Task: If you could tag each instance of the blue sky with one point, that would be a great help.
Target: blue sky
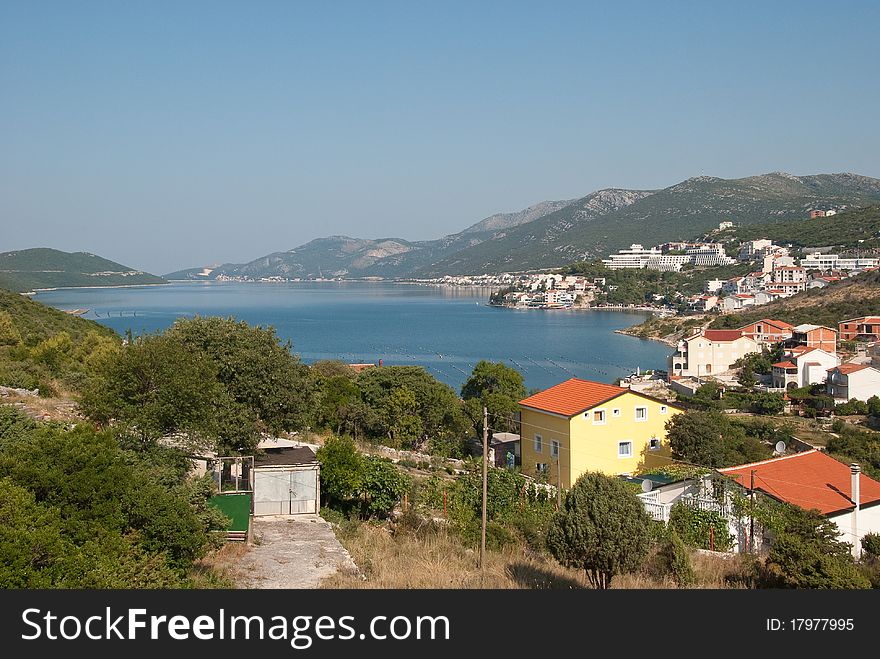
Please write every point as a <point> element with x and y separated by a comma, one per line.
<point>173,134</point>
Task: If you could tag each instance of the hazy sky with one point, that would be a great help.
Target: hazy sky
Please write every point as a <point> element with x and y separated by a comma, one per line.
<point>173,134</point>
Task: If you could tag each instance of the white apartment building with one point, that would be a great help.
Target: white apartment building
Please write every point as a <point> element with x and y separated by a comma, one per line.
<point>817,261</point>
<point>667,262</point>
<point>709,254</point>
<point>634,257</point>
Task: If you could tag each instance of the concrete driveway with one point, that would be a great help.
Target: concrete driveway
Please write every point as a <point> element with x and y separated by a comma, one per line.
<point>291,552</point>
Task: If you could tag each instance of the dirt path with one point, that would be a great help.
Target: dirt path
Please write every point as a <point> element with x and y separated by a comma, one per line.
<point>291,552</point>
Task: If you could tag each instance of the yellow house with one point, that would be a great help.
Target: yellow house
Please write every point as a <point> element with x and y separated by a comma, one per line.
<point>579,426</point>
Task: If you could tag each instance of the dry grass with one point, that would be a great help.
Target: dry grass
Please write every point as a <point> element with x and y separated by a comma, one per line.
<point>60,408</point>
<point>219,566</point>
<point>436,559</point>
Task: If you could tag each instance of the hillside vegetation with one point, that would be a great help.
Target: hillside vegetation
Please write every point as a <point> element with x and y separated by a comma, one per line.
<point>46,349</point>
<point>857,296</point>
<point>845,229</point>
<point>29,269</point>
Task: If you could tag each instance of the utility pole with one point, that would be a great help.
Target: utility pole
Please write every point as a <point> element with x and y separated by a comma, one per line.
<point>558,484</point>
<point>485,485</point>
<point>752,514</point>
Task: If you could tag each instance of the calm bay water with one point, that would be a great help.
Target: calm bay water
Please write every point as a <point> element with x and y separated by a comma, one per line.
<point>446,330</point>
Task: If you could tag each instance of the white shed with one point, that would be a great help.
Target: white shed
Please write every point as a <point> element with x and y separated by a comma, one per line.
<point>287,482</point>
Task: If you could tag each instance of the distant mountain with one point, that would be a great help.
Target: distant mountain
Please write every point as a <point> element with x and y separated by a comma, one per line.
<point>30,269</point>
<point>510,220</point>
<point>554,233</point>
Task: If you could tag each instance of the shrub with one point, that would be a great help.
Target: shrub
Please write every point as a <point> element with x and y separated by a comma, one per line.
<point>696,528</point>
<point>871,544</point>
<point>602,528</point>
<point>675,560</point>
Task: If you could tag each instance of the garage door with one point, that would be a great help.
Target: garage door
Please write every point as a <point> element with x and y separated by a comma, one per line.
<point>285,492</point>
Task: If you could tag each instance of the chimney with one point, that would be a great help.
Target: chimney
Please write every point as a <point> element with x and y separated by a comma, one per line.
<point>856,471</point>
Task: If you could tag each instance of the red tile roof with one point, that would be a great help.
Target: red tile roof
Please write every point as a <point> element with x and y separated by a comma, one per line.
<point>810,480</point>
<point>846,369</point>
<point>784,365</point>
<point>722,335</point>
<point>572,396</point>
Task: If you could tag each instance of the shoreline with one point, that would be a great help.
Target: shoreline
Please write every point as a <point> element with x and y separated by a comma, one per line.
<point>64,288</point>
<point>626,331</point>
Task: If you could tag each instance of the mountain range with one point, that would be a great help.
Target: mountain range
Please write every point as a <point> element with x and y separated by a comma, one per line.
<point>554,233</point>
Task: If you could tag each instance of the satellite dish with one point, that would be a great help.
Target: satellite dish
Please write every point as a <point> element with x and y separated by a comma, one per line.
<point>780,447</point>
<point>647,485</point>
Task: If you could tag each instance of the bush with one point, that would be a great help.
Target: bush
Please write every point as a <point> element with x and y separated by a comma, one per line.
<point>853,406</point>
<point>805,552</point>
<point>602,529</point>
<point>871,545</point>
<point>703,529</point>
<point>675,560</point>
<point>382,486</point>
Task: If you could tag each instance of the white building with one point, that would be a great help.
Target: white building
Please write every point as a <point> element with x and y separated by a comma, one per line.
<point>848,381</point>
<point>709,254</point>
<point>750,250</point>
<point>817,261</point>
<point>709,352</point>
<point>713,285</point>
<point>801,367</point>
<point>667,262</point>
<point>634,257</point>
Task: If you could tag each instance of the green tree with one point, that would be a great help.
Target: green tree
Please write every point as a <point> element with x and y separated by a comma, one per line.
<point>341,470</point>
<point>711,439</point>
<point>337,394</point>
<point>805,553</point>
<point>156,386</point>
<point>497,387</point>
<point>438,408</point>
<point>382,487</point>
<point>768,403</point>
<point>258,371</point>
<point>747,377</point>
<point>602,529</point>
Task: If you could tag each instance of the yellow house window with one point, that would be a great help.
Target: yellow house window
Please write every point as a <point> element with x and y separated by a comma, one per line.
<point>641,414</point>
<point>663,409</point>
<point>653,444</point>
<point>539,444</point>
<point>598,417</point>
<point>624,449</point>
<point>554,449</point>
<point>615,411</point>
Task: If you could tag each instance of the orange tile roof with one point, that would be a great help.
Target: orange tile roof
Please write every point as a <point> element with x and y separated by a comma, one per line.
<point>846,369</point>
<point>572,396</point>
<point>784,365</point>
<point>810,480</point>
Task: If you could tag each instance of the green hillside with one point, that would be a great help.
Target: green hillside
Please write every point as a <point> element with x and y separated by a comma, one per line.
<point>845,230</point>
<point>43,348</point>
<point>29,269</point>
